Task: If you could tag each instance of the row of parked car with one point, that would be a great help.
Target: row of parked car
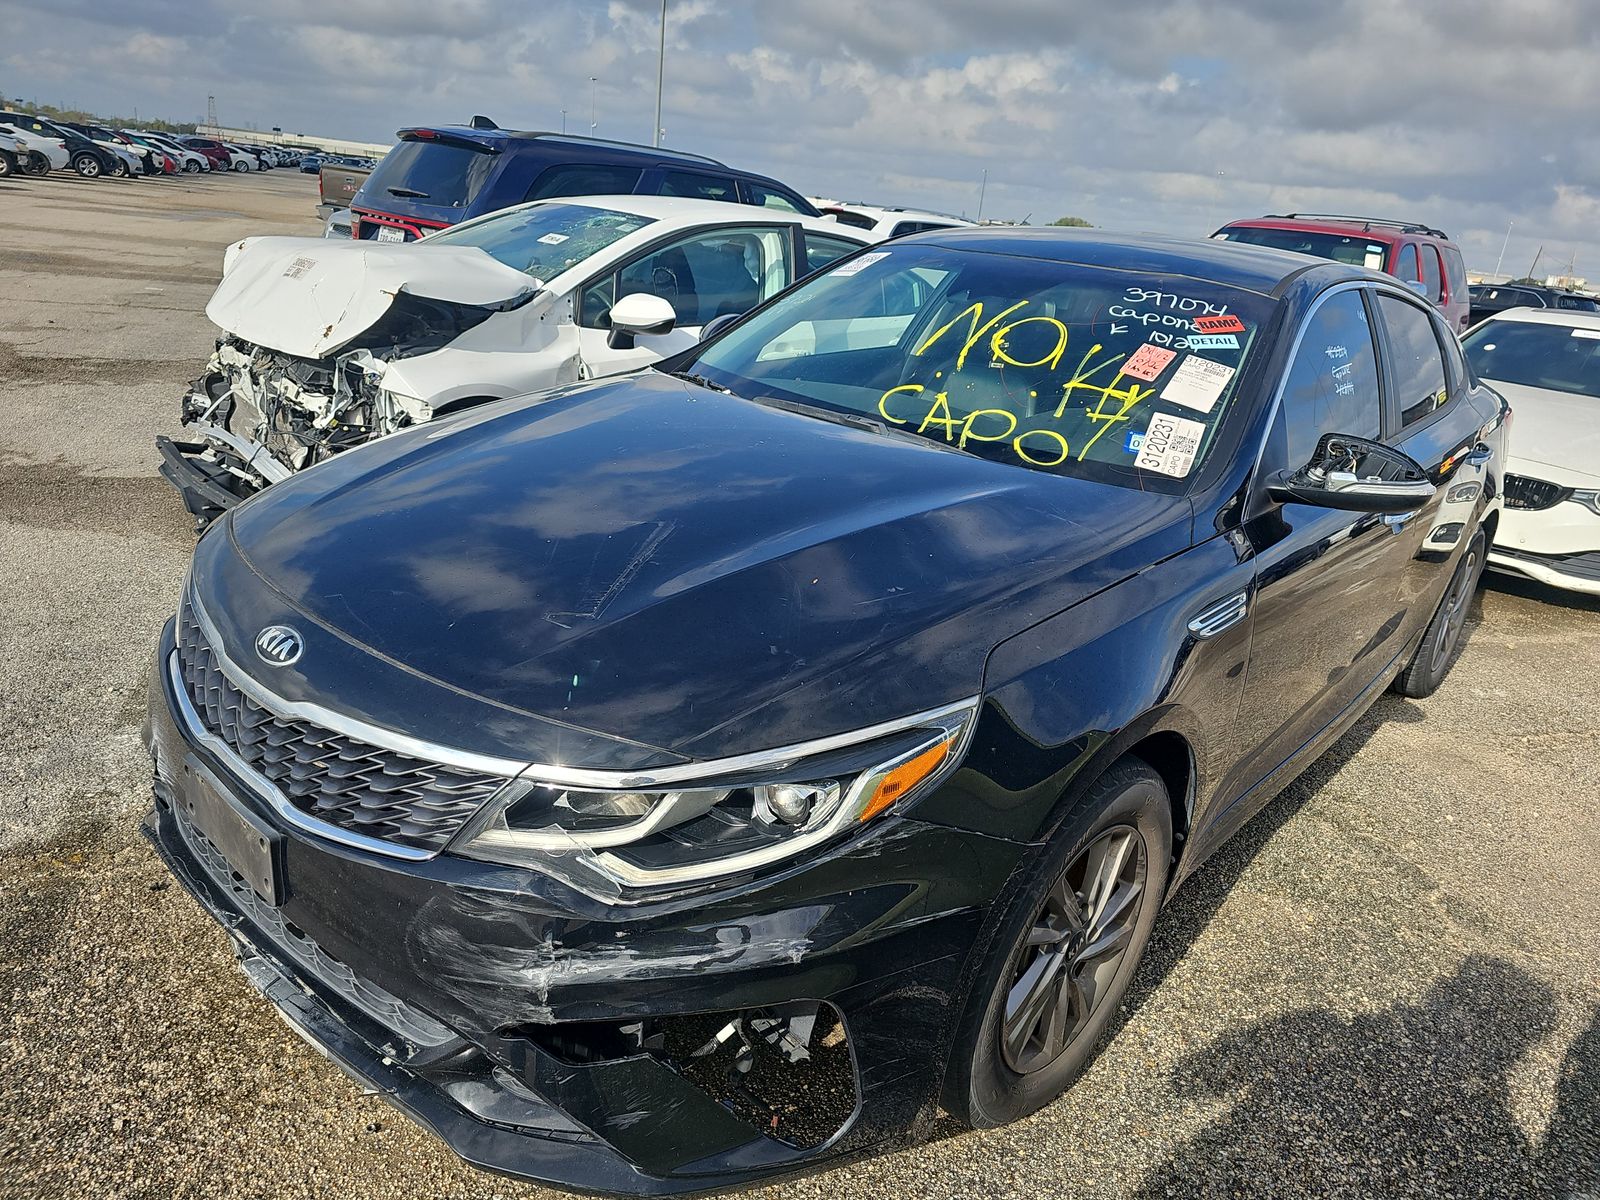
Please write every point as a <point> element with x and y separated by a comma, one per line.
<point>550,259</point>
<point>35,145</point>
<point>790,720</point>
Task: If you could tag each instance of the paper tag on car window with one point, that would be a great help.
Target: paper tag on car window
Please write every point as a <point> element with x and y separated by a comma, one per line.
<point>1212,341</point>
<point>1587,333</point>
<point>554,239</point>
<point>1169,446</point>
<point>1197,383</point>
<point>859,264</point>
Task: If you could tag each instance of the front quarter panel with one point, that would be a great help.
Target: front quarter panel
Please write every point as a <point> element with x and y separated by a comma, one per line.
<point>1069,696</point>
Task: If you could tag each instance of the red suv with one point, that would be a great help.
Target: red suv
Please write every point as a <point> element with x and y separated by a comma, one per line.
<point>1423,256</point>
<point>214,150</point>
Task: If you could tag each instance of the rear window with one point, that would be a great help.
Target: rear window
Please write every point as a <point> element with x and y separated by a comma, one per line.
<point>443,174</point>
<point>543,240</point>
<point>1356,250</point>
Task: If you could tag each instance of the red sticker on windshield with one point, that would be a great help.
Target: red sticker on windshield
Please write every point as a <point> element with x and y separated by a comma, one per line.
<point>1223,324</point>
<point>1147,362</point>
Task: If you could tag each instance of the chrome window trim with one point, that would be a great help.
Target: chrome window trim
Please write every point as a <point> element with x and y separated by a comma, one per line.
<point>699,771</point>
<point>263,787</point>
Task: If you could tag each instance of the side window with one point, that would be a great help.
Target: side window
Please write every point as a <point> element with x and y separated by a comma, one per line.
<point>1332,385</point>
<point>765,197</point>
<point>822,250</point>
<point>1454,360</point>
<point>710,274</point>
<point>1416,360</point>
<point>1405,264</point>
<point>579,180</point>
<point>594,304</point>
<point>1455,273</point>
<point>1432,274</point>
<point>697,186</point>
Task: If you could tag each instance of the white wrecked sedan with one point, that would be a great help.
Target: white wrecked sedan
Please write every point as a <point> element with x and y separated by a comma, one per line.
<point>327,344</point>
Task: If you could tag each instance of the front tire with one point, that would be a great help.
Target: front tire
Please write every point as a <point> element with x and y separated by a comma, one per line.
<point>1060,962</point>
<point>191,168</point>
<point>1442,640</point>
<point>37,164</point>
<point>8,164</point>
<point>88,166</point>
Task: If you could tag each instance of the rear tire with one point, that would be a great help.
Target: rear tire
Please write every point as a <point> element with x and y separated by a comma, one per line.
<point>1059,964</point>
<point>8,164</point>
<point>89,166</point>
<point>37,164</point>
<point>191,168</point>
<point>239,166</point>
<point>1442,640</point>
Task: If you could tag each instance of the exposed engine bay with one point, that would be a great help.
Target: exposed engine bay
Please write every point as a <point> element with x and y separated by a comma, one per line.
<point>259,414</point>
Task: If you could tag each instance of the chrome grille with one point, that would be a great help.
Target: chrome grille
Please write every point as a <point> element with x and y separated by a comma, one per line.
<point>330,776</point>
<point>1535,494</point>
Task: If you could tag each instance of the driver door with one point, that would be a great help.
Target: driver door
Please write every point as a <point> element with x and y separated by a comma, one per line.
<point>1327,606</point>
<point>703,275</point>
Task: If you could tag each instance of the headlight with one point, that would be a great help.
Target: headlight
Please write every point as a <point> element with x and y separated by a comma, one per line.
<point>742,814</point>
<point>1589,499</point>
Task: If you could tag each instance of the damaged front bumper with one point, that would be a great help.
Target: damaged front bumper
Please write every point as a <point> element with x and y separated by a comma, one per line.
<point>645,1049</point>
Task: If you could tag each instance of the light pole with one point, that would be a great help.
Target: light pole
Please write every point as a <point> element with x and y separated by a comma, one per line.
<point>563,120</point>
<point>1499,261</point>
<point>982,188</point>
<point>594,82</point>
<point>661,70</point>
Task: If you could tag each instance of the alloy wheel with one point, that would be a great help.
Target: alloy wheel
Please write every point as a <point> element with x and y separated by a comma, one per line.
<point>1455,610</point>
<point>1073,950</point>
<point>88,166</point>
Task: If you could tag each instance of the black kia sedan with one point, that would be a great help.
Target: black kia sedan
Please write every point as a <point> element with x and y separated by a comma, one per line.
<point>709,773</point>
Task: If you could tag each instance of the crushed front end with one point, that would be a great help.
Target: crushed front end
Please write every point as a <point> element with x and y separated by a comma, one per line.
<point>257,415</point>
<point>660,1041</point>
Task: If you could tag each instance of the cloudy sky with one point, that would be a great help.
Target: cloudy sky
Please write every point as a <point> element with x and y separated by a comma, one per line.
<point>1174,115</point>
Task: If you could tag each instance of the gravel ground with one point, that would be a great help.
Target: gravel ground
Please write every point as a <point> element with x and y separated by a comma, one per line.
<point>1387,985</point>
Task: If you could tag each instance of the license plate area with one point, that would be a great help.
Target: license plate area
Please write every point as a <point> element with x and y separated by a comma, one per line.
<point>389,233</point>
<point>251,847</point>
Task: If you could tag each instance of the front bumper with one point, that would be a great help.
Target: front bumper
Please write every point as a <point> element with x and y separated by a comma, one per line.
<point>1559,546</point>
<point>443,984</point>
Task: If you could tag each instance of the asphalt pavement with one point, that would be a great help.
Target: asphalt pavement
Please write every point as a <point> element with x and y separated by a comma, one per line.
<point>1387,985</point>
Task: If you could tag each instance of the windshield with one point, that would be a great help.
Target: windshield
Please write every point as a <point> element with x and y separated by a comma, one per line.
<point>1118,376</point>
<point>1356,250</point>
<point>545,239</point>
<point>1562,358</point>
<point>443,174</point>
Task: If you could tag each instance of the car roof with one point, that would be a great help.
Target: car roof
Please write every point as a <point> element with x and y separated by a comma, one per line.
<point>600,147</point>
<point>1570,317</point>
<point>893,213</point>
<point>686,211</point>
<point>1233,264</point>
<point>1376,228</point>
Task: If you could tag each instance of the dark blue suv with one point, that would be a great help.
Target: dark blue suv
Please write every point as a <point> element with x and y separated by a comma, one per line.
<point>444,174</point>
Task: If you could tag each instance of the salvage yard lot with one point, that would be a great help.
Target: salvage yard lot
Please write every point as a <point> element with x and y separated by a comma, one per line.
<point>1386,985</point>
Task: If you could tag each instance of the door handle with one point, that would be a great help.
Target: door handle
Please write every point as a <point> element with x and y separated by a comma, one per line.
<point>1220,616</point>
<point>1398,521</point>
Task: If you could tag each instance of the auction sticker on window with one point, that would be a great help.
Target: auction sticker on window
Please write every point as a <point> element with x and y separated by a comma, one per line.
<point>1147,362</point>
<point>554,239</point>
<point>859,264</point>
<point>1227,323</point>
<point>1197,383</point>
<point>1169,446</point>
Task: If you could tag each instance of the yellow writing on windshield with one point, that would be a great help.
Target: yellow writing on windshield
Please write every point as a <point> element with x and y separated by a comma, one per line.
<point>973,313</point>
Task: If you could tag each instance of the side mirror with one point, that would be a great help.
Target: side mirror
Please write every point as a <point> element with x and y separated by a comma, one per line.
<point>717,324</point>
<point>1417,286</point>
<point>1355,474</point>
<point>636,313</point>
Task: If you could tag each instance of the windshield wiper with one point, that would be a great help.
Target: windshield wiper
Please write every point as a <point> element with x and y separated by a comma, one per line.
<point>409,193</point>
<point>701,380</point>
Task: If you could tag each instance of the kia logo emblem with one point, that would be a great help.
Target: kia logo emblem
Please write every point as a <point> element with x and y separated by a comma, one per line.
<point>279,645</point>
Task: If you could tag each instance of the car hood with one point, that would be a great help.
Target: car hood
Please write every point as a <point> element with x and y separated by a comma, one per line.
<point>654,561</point>
<point>310,297</point>
<point>1553,428</point>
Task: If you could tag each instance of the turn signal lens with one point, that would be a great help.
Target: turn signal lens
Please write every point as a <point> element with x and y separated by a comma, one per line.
<point>897,781</point>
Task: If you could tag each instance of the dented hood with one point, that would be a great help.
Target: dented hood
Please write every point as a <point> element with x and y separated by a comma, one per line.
<point>311,297</point>
<point>650,560</point>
